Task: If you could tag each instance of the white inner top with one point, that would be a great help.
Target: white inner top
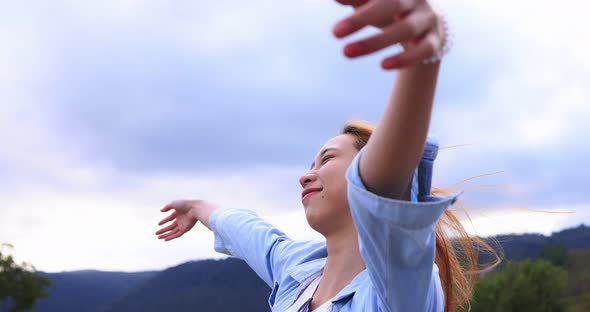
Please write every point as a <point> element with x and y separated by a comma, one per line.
<point>302,303</point>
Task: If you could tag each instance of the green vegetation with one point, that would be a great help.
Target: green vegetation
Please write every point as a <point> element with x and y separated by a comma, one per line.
<point>554,253</point>
<point>578,288</point>
<point>557,281</point>
<point>522,286</point>
<point>20,287</point>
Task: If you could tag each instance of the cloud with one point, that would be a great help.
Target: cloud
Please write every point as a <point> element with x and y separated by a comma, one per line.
<point>92,225</point>
<point>514,88</point>
<point>147,87</point>
<point>114,108</point>
<point>519,220</point>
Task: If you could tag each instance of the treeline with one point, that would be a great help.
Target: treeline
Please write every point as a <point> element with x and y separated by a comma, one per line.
<point>556,277</point>
<point>558,281</point>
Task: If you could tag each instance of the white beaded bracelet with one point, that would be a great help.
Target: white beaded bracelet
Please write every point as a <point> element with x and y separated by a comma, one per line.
<point>446,46</point>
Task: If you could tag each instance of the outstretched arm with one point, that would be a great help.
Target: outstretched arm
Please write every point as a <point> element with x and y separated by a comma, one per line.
<point>240,233</point>
<point>397,143</point>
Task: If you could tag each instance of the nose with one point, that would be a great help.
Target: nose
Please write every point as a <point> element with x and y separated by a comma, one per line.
<point>306,178</point>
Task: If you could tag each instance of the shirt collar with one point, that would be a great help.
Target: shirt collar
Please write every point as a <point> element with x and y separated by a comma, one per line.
<point>304,271</point>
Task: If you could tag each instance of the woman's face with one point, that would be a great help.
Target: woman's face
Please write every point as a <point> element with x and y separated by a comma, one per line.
<point>327,209</point>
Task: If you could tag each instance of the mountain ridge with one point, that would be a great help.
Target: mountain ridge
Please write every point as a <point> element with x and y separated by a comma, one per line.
<point>199,283</point>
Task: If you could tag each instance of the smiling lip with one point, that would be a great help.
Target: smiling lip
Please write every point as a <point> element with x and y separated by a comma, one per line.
<point>310,194</point>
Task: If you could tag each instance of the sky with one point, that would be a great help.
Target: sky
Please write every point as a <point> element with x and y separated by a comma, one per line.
<point>111,109</point>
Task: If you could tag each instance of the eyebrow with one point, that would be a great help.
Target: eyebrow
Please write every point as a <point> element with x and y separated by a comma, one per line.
<point>322,154</point>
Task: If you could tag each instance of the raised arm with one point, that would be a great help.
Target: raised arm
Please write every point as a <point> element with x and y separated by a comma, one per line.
<point>396,233</point>
<point>397,143</point>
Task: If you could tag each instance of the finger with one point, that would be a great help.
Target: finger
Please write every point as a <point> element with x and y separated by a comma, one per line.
<point>167,207</point>
<point>168,234</point>
<point>362,17</point>
<point>372,12</point>
<point>168,218</point>
<point>173,236</point>
<point>423,49</point>
<point>168,228</point>
<point>354,3</point>
<point>414,25</point>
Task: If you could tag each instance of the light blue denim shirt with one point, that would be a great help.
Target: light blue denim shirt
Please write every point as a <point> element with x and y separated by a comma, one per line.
<point>396,240</point>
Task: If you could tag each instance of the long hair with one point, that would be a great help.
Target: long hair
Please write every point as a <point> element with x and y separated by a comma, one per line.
<point>456,258</point>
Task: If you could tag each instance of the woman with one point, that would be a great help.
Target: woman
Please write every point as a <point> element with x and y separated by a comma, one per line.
<point>367,192</point>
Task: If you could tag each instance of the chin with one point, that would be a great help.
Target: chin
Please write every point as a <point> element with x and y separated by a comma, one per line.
<point>316,220</point>
<point>312,217</point>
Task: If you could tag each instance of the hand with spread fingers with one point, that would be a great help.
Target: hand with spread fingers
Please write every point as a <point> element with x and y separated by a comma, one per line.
<point>412,23</point>
<point>184,217</point>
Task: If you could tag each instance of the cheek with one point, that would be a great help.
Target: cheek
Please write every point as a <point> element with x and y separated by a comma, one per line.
<point>335,186</point>
<point>333,173</point>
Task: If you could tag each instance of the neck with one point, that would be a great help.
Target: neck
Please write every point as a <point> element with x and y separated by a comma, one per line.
<point>344,261</point>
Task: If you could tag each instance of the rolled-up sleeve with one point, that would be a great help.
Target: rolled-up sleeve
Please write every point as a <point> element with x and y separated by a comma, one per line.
<point>397,243</point>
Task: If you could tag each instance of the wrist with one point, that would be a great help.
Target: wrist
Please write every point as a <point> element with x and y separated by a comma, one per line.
<point>446,42</point>
<point>423,70</point>
<point>193,209</point>
<point>201,210</point>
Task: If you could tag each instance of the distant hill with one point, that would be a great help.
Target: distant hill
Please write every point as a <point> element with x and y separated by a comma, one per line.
<point>229,284</point>
<point>520,247</point>
<point>86,291</point>
<point>208,285</point>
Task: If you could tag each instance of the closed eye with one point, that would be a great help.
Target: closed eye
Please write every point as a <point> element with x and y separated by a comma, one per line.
<point>325,159</point>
